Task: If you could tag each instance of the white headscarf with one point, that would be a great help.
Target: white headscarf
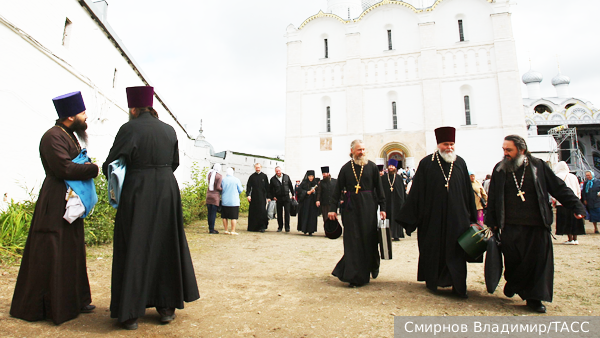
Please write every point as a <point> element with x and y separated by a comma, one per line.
<point>211,183</point>
<point>229,171</point>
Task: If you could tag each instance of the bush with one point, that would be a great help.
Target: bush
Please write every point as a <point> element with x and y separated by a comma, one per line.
<point>14,227</point>
<point>193,196</point>
<point>244,204</point>
<point>99,226</point>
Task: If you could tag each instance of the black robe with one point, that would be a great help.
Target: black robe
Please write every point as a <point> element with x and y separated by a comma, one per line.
<point>52,281</point>
<point>527,247</point>
<point>393,202</point>
<point>308,210</point>
<point>324,192</point>
<point>258,189</point>
<point>152,266</point>
<point>359,218</point>
<point>441,215</point>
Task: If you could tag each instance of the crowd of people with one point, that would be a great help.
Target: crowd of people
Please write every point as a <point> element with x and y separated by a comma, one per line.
<point>152,265</point>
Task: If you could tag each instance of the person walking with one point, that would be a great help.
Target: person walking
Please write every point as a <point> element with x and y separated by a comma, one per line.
<point>257,190</point>
<point>213,196</point>
<point>307,209</point>
<point>480,197</point>
<point>280,188</point>
<point>591,198</point>
<point>230,204</point>
<point>53,282</point>
<point>151,266</point>
<point>566,223</point>
<point>324,191</point>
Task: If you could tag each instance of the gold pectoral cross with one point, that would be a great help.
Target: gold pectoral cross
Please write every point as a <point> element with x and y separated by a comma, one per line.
<point>357,186</point>
<point>391,188</point>
<point>520,194</point>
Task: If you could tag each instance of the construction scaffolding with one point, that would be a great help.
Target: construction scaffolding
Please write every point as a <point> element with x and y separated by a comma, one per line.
<point>567,143</point>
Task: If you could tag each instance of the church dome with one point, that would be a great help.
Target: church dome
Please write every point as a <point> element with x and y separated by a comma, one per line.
<point>532,76</point>
<point>201,142</point>
<point>560,80</point>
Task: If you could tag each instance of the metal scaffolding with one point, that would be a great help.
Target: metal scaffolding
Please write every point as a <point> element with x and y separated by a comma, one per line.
<point>575,159</point>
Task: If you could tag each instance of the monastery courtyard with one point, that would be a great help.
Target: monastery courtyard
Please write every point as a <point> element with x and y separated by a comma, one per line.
<point>280,285</point>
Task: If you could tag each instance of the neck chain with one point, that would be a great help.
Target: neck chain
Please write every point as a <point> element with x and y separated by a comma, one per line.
<point>520,186</point>
<point>357,186</point>
<point>443,173</point>
<point>71,137</point>
<point>391,183</point>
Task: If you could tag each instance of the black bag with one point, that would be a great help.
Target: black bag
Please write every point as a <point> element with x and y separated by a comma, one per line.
<point>293,207</point>
<point>493,263</point>
<point>385,238</point>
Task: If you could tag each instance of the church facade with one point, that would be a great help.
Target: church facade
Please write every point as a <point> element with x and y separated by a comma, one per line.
<point>390,72</point>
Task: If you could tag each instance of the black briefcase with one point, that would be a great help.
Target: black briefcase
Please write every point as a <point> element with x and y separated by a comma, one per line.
<point>385,238</point>
<point>293,207</point>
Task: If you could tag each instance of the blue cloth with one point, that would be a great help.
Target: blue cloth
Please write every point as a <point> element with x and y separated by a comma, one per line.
<point>589,184</point>
<point>590,194</point>
<point>116,176</point>
<point>85,189</point>
<point>232,188</point>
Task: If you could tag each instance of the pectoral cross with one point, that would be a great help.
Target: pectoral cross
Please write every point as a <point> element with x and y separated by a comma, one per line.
<point>357,186</point>
<point>391,188</point>
<point>520,194</point>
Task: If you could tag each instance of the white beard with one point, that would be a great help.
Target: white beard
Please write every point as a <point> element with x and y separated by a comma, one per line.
<point>449,157</point>
<point>360,161</point>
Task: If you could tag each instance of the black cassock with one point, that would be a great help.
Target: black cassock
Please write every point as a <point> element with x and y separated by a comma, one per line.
<point>308,211</point>
<point>441,215</point>
<point>53,282</point>
<point>394,201</point>
<point>258,189</point>
<point>359,218</point>
<point>152,266</point>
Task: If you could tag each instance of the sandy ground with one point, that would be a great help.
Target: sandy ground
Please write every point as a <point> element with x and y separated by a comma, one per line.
<point>280,285</point>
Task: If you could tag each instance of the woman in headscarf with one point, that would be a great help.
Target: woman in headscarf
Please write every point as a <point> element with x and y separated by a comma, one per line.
<point>308,212</point>
<point>480,197</point>
<point>566,223</point>
<point>213,196</point>
<point>230,207</point>
<point>591,198</point>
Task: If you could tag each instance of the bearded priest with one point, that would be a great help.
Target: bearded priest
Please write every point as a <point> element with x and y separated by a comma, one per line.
<point>360,178</point>
<point>441,205</point>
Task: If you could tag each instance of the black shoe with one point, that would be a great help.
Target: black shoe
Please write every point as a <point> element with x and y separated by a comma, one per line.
<point>310,233</point>
<point>536,306</point>
<point>375,273</point>
<point>597,232</point>
<point>287,230</point>
<point>166,314</point>
<point>507,292</point>
<point>213,232</point>
<point>261,230</point>
<point>130,324</point>
<point>461,295</point>
<point>396,239</point>
<point>279,230</point>
<point>88,308</point>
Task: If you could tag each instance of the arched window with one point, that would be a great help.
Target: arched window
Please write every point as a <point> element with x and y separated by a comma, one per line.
<point>328,119</point>
<point>326,49</point>
<point>542,108</point>
<point>394,116</point>
<point>389,34</point>
<point>461,30</point>
<point>467,110</point>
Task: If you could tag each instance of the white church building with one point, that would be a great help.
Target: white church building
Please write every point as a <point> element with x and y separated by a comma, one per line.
<point>390,72</point>
<point>50,48</point>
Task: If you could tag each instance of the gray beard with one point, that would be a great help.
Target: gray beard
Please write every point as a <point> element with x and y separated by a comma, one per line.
<point>448,157</point>
<point>510,166</point>
<point>360,161</point>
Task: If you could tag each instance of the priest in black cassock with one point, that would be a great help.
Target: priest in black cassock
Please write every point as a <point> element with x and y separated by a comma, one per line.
<point>257,191</point>
<point>151,266</point>
<point>518,207</point>
<point>441,205</point>
<point>307,199</point>
<point>53,282</point>
<point>395,194</point>
<point>324,191</point>
<point>360,178</point>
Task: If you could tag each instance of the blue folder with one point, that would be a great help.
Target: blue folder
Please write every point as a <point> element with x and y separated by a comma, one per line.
<point>116,176</point>
<point>85,189</point>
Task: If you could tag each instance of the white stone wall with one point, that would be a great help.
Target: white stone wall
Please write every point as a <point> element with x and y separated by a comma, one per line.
<point>427,73</point>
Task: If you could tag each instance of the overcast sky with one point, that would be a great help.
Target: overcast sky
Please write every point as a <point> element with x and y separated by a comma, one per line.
<point>224,61</point>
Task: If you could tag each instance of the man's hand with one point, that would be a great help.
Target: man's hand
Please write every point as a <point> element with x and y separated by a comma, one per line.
<point>275,199</point>
<point>332,215</point>
<point>249,198</point>
<point>268,200</point>
<point>382,214</point>
<point>585,202</point>
<point>578,216</point>
<point>318,204</point>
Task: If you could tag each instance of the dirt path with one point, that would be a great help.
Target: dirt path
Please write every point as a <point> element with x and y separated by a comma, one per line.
<point>280,285</point>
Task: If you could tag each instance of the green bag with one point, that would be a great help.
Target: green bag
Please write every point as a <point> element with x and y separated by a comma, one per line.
<point>474,241</point>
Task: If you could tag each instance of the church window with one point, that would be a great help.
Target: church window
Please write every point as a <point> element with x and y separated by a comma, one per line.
<point>328,121</point>
<point>467,110</point>
<point>460,30</point>
<point>326,49</point>
<point>569,105</point>
<point>394,116</point>
<point>541,108</point>
<point>67,33</point>
<point>389,39</point>
<point>115,78</point>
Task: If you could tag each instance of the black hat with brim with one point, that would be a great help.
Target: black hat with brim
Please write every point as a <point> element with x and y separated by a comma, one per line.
<point>333,229</point>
